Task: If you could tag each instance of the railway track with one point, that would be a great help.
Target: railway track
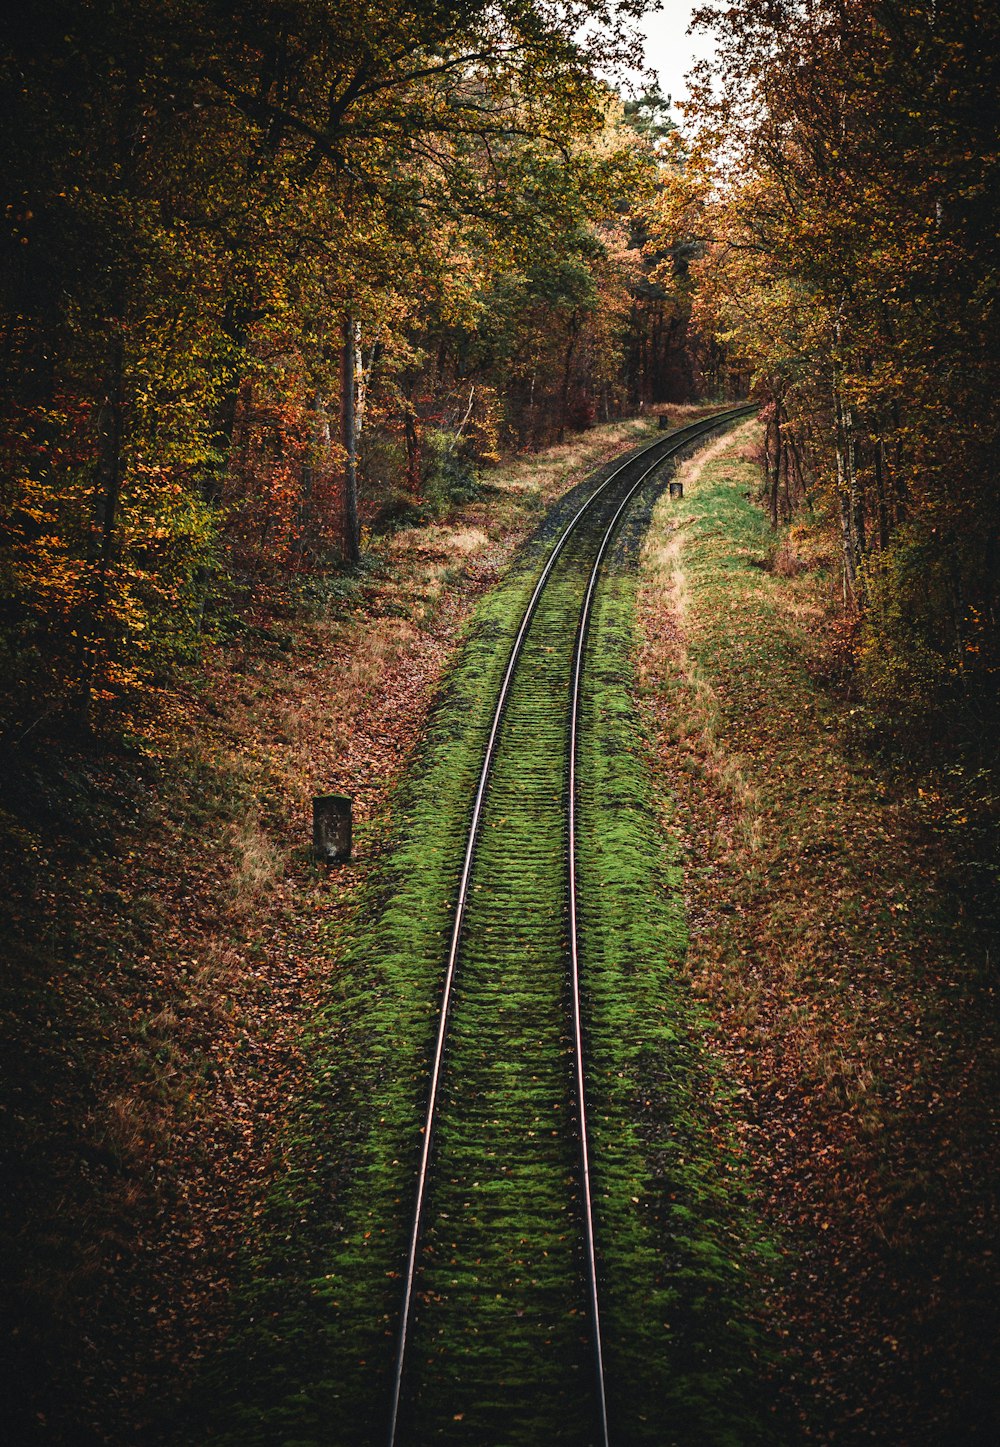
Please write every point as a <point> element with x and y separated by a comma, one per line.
<point>500,1330</point>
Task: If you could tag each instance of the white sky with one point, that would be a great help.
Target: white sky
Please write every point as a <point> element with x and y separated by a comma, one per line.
<point>669,50</point>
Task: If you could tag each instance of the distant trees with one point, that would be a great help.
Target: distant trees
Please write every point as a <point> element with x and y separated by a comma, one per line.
<point>251,255</point>
<point>844,189</point>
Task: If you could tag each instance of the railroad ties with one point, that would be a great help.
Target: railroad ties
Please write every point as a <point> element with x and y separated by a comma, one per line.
<point>500,1337</point>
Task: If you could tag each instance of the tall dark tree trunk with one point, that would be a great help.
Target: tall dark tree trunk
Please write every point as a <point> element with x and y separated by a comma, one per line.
<point>785,471</point>
<point>412,452</point>
<point>564,390</point>
<point>793,456</point>
<point>411,434</point>
<point>774,472</point>
<point>847,491</point>
<point>880,494</point>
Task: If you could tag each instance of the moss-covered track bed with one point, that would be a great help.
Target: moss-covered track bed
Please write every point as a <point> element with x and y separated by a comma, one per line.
<point>500,1341</point>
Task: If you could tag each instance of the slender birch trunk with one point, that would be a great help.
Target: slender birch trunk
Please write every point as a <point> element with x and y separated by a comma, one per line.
<point>846,488</point>
<point>349,436</point>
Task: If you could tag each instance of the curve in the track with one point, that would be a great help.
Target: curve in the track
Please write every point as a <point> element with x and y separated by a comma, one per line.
<point>660,451</point>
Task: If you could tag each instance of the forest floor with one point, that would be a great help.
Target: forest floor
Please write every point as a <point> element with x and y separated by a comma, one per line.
<point>165,919</point>
<point>839,938</point>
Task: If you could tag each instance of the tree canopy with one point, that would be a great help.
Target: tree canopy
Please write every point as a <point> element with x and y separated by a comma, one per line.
<point>218,223</point>
<point>842,193</point>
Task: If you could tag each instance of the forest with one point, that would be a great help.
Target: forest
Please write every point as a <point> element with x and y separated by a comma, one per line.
<point>261,275</point>
<point>209,226</point>
<point>289,293</point>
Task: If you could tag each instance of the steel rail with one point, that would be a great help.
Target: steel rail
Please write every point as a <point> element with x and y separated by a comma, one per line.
<point>669,445</point>
<point>582,632</point>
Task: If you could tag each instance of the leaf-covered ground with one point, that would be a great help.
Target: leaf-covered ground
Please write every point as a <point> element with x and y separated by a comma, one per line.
<point>499,1347</point>
<point>840,938</point>
<point>162,920</point>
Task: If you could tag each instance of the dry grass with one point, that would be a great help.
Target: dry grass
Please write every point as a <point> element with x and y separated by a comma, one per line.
<point>453,542</point>
<point>697,727</point>
<point>829,944</point>
<point>256,862</point>
<point>548,472</point>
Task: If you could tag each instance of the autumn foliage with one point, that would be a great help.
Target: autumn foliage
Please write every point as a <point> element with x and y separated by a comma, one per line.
<point>220,225</point>
<point>842,195</point>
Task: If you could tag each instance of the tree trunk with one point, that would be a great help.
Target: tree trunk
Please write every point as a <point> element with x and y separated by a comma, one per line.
<point>349,436</point>
<point>775,477</point>
<point>412,450</point>
<point>846,489</point>
<point>856,491</point>
<point>93,634</point>
<point>564,390</point>
<point>794,474</point>
<point>880,494</point>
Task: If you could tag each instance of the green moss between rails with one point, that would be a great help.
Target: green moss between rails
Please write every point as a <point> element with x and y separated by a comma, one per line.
<point>310,1360</point>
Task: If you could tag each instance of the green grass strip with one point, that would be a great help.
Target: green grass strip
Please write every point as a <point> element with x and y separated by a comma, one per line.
<point>683,1258</point>
<point>311,1358</point>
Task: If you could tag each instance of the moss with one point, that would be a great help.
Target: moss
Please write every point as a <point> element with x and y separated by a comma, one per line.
<point>500,1347</point>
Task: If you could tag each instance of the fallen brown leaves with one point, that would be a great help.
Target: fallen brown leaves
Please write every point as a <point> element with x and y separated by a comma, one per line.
<point>170,952</point>
<point>832,946</point>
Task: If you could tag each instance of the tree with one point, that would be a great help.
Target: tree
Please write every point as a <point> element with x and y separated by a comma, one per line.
<point>196,202</point>
<point>848,221</point>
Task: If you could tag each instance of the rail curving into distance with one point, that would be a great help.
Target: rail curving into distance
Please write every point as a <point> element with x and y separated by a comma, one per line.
<point>645,462</point>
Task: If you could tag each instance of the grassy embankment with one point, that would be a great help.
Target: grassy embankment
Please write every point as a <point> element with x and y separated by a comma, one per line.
<point>679,1252</point>
<point>837,942</point>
